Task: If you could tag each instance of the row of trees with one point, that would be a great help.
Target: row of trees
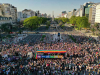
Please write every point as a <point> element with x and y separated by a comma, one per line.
<point>61,19</point>
<point>80,22</point>
<point>34,22</point>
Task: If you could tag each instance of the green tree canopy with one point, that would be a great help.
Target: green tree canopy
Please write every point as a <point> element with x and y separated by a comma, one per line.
<point>73,20</point>
<point>82,22</point>
<point>7,27</point>
<point>31,22</point>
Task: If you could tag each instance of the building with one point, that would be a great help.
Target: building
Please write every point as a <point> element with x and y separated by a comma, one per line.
<point>74,12</point>
<point>63,13</point>
<point>80,11</point>
<point>93,13</point>
<point>87,10</point>
<point>4,20</point>
<point>70,14</point>
<point>19,16</point>
<point>26,13</point>
<point>43,15</point>
<point>7,10</point>
<point>90,15</point>
<point>49,16</point>
<point>14,14</point>
<point>1,11</point>
<point>97,15</point>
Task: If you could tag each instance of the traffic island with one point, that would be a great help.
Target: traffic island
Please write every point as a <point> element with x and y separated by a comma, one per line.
<point>72,38</point>
<point>43,36</point>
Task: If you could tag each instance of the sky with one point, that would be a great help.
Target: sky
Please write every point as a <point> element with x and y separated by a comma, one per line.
<point>48,6</point>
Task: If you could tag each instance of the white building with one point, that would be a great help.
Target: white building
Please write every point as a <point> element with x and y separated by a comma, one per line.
<point>93,13</point>
<point>65,15</point>
<point>26,14</point>
<point>80,11</point>
<point>70,14</point>
<point>97,15</point>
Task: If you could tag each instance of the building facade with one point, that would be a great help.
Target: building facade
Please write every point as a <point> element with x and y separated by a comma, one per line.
<point>90,15</point>
<point>70,14</point>
<point>14,14</point>
<point>7,10</point>
<point>93,14</point>
<point>4,20</point>
<point>97,15</point>
<point>19,16</point>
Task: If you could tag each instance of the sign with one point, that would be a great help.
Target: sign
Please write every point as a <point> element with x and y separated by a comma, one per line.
<point>49,56</point>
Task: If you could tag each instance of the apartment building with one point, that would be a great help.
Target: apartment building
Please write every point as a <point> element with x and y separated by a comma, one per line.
<point>93,14</point>
<point>14,14</point>
<point>7,10</point>
<point>97,15</point>
<point>4,20</point>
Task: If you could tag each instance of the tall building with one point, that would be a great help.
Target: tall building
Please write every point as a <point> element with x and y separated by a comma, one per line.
<point>14,14</point>
<point>74,12</point>
<point>93,13</point>
<point>97,15</point>
<point>90,15</point>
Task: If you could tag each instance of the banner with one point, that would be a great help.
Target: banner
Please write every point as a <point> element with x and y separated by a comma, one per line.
<point>49,56</point>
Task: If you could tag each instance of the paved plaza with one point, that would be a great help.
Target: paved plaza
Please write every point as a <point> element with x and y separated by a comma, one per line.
<point>31,38</point>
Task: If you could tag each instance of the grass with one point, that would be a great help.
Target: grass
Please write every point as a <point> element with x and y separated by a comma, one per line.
<point>43,36</point>
<point>47,27</point>
<point>62,26</point>
<point>72,38</point>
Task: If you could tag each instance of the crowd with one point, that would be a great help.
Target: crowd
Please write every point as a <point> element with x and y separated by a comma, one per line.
<point>81,58</point>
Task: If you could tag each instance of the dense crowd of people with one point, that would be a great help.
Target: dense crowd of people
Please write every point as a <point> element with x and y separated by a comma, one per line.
<point>81,58</point>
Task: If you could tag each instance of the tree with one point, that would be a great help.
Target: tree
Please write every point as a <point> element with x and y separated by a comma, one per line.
<point>31,22</point>
<point>96,25</point>
<point>73,20</point>
<point>64,20</point>
<point>60,23</point>
<point>78,23</point>
<point>82,22</point>
<point>93,30</point>
<point>7,27</point>
<point>48,23</point>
